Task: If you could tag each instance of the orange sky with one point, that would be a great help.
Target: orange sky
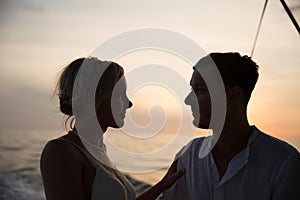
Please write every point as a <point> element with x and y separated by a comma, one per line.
<point>38,38</point>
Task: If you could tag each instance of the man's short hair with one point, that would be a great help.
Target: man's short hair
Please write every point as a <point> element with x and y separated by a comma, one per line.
<point>235,70</point>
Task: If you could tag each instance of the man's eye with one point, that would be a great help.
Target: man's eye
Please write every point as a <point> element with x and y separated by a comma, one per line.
<point>200,90</point>
<point>122,94</point>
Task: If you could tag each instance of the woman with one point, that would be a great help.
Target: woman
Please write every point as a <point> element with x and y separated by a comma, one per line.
<point>69,165</point>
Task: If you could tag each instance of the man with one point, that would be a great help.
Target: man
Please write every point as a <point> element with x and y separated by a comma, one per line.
<point>244,163</point>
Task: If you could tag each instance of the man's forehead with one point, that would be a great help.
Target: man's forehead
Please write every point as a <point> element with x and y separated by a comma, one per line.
<point>122,82</point>
<point>197,79</point>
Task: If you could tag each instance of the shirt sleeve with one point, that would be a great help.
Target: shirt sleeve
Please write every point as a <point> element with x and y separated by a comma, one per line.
<point>288,180</point>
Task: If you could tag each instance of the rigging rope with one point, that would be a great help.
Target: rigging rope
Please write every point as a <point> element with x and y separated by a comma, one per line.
<point>258,29</point>
<point>262,16</point>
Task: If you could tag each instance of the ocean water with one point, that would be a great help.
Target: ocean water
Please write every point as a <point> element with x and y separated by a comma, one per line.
<point>20,156</point>
<point>19,164</point>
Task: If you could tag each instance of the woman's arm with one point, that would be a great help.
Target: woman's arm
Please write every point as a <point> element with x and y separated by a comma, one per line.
<point>167,181</point>
<point>61,169</point>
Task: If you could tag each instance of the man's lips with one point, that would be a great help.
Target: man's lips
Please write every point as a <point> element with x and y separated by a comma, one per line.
<point>195,114</point>
<point>123,114</point>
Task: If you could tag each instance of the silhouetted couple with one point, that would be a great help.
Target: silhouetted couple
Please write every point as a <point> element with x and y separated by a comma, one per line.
<point>241,163</point>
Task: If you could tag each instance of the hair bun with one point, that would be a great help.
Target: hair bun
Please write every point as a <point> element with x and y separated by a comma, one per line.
<point>66,105</point>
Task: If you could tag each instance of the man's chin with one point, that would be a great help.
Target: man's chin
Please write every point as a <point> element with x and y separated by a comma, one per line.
<point>118,124</point>
<point>200,124</point>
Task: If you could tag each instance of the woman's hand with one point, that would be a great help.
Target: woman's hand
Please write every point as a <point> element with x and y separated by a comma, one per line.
<point>166,182</point>
<point>171,177</point>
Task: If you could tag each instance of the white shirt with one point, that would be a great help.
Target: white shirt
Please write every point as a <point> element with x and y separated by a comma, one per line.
<point>267,168</point>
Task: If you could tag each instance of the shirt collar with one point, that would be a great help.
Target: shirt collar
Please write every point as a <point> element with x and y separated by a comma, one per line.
<point>241,159</point>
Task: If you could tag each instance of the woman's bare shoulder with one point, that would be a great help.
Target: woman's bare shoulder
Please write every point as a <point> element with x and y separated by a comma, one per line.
<point>59,150</point>
<point>61,168</point>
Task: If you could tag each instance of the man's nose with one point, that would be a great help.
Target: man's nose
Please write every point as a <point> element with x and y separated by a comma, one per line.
<point>130,104</point>
<point>188,99</point>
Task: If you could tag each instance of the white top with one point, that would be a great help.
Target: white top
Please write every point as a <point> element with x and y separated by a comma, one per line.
<point>267,168</point>
<point>108,187</point>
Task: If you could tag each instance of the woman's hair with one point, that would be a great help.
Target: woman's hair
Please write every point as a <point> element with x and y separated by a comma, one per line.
<point>106,84</point>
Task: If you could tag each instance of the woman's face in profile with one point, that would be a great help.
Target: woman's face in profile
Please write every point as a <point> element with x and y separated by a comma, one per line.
<point>113,110</point>
<point>120,102</point>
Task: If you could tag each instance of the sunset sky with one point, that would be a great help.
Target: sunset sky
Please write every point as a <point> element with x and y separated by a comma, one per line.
<point>38,38</point>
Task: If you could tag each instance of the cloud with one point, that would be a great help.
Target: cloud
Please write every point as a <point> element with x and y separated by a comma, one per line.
<point>35,8</point>
<point>27,107</point>
<point>295,7</point>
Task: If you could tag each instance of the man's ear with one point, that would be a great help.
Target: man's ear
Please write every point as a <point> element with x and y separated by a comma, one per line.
<point>234,94</point>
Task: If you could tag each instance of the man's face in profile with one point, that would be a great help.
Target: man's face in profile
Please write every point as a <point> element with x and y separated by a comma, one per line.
<point>199,100</point>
